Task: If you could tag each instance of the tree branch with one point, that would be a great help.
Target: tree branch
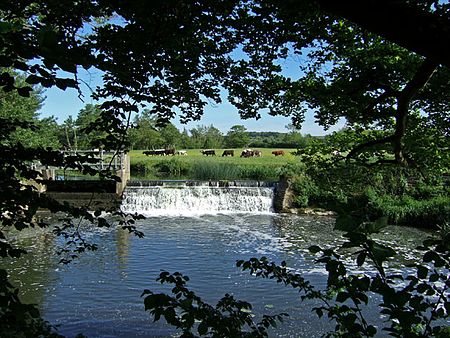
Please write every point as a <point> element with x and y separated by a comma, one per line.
<point>370,107</point>
<point>420,79</point>
<point>417,30</point>
<point>412,88</point>
<point>367,144</point>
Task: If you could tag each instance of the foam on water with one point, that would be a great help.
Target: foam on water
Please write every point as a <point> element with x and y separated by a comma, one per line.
<point>197,200</point>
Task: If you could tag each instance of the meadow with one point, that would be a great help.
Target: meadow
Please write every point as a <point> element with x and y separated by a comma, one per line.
<point>195,165</point>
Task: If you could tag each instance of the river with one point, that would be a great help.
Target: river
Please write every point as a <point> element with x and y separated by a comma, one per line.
<point>99,294</point>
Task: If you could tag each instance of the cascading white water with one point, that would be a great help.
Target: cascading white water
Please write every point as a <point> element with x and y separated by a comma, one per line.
<point>194,200</point>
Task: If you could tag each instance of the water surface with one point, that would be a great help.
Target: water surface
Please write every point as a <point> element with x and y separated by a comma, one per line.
<point>99,294</point>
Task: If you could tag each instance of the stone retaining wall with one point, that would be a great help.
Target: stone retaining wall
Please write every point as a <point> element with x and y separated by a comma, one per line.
<point>284,196</point>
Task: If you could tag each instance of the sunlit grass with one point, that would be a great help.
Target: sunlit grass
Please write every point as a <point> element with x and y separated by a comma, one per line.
<point>264,167</point>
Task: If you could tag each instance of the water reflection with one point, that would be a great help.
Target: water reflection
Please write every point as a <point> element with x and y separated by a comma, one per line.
<point>99,294</point>
<point>33,272</point>
<point>123,248</point>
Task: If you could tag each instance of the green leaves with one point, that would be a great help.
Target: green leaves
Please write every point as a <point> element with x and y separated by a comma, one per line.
<point>351,224</point>
<point>346,223</point>
<point>202,328</point>
<point>314,249</point>
<point>422,272</point>
<point>229,318</point>
<point>433,256</point>
<point>381,252</point>
<point>361,258</point>
<point>6,27</point>
<point>342,297</point>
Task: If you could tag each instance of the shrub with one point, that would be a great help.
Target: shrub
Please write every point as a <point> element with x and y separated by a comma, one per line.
<point>426,191</point>
<point>204,170</point>
<point>173,168</point>
<point>304,188</point>
<point>406,210</point>
<point>258,173</point>
<point>139,168</point>
<point>291,170</point>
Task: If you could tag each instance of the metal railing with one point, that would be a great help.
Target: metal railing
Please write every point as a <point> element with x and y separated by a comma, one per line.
<point>96,159</point>
<point>113,160</point>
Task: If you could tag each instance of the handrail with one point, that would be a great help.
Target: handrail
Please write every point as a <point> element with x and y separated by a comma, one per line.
<point>103,156</point>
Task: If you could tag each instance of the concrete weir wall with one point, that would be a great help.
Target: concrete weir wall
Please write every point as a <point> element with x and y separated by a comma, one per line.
<point>124,173</point>
<point>89,200</point>
<point>91,194</point>
<point>107,194</point>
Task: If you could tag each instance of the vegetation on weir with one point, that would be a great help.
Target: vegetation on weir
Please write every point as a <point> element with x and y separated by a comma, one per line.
<point>197,166</point>
<point>319,180</point>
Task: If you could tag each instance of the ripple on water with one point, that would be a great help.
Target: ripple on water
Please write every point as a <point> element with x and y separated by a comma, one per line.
<point>99,295</point>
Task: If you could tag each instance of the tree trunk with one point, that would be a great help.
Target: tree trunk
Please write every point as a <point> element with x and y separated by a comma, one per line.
<point>420,79</point>
<point>67,138</point>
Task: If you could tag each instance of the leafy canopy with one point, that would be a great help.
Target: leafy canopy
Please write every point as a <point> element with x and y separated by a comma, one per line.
<point>176,56</point>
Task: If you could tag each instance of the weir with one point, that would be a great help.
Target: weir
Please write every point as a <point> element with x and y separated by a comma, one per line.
<point>92,193</point>
<point>198,197</point>
<point>210,183</point>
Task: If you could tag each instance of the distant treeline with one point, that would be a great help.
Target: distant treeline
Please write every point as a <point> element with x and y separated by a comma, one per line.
<point>144,133</point>
<point>205,137</point>
<point>147,134</point>
<point>272,139</point>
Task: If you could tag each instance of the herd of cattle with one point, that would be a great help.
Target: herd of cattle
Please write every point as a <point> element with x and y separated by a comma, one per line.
<point>210,152</point>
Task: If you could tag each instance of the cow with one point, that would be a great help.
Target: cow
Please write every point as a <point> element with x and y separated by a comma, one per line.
<point>208,152</point>
<point>160,152</point>
<point>182,152</point>
<point>170,151</point>
<point>247,153</point>
<point>228,153</point>
<point>251,153</point>
<point>278,152</point>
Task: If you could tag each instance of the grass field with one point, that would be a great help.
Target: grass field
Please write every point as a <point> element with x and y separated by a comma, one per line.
<point>198,166</point>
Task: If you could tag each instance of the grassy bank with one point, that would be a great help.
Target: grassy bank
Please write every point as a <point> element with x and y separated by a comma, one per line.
<point>197,166</point>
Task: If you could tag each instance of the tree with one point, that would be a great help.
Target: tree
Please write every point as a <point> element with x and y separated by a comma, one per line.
<point>213,138</point>
<point>294,139</point>
<point>374,85</point>
<point>171,136</point>
<point>418,26</point>
<point>145,134</point>
<point>185,141</point>
<point>48,127</point>
<point>237,137</point>
<point>203,137</point>
<point>176,56</point>
<point>14,107</point>
<point>87,137</point>
<point>68,134</point>
<point>187,75</point>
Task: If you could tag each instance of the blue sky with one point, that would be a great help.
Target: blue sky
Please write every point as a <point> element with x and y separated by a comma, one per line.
<point>61,104</point>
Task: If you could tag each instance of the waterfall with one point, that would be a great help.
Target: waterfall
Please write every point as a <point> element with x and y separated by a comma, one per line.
<point>188,198</point>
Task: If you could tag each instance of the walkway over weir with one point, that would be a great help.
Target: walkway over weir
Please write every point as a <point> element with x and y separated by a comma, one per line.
<point>118,162</point>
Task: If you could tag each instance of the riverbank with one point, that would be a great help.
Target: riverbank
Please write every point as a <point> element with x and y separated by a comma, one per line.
<point>194,165</point>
